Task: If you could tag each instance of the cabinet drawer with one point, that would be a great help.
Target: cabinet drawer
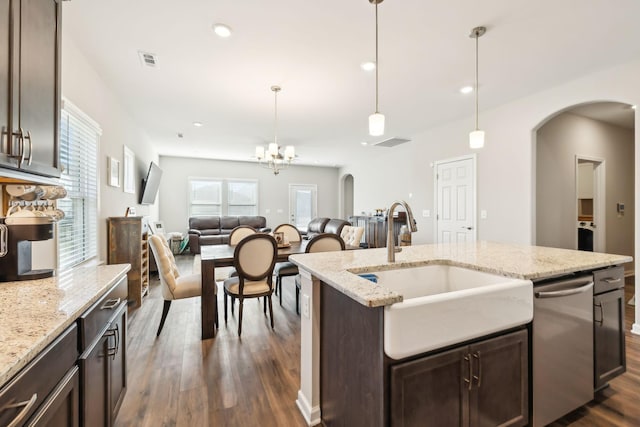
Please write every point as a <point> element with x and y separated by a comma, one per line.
<point>93,321</point>
<point>608,279</point>
<point>29,389</point>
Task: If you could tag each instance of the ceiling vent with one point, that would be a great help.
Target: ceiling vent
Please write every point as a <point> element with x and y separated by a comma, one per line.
<point>391,142</point>
<point>148,59</point>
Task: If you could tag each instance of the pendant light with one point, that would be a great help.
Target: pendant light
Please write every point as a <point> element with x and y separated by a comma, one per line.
<point>476,137</point>
<point>376,120</point>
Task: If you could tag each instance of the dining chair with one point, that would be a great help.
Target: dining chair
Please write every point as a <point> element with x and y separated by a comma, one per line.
<point>352,235</point>
<point>324,242</point>
<point>174,285</point>
<point>254,258</point>
<point>239,233</point>
<point>284,269</point>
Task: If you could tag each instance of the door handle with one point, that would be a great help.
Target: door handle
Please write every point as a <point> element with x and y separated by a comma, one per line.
<point>467,228</point>
<point>478,378</point>
<point>28,404</point>
<point>469,381</point>
<point>601,321</point>
<point>30,147</point>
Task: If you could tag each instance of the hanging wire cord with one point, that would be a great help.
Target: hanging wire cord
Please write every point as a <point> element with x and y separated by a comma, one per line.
<point>477,36</point>
<point>377,67</point>
<point>275,89</point>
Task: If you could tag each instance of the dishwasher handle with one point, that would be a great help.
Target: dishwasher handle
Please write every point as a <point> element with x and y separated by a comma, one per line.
<point>564,292</point>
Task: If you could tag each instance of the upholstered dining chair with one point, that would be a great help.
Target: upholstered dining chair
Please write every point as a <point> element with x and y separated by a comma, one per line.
<point>254,258</point>
<point>239,233</point>
<point>284,269</point>
<point>324,242</point>
<point>174,285</point>
<point>352,235</point>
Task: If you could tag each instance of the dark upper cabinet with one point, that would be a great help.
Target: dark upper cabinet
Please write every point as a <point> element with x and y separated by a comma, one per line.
<point>30,79</point>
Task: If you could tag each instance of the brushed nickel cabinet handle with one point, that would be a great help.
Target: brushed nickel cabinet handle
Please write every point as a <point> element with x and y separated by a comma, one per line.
<point>30,147</point>
<point>28,404</point>
<point>611,280</point>
<point>478,378</point>
<point>110,304</point>
<point>20,155</point>
<point>469,381</point>
<point>601,321</point>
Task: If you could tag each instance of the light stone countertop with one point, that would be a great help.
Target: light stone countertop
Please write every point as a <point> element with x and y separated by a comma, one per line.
<point>511,260</point>
<point>34,312</point>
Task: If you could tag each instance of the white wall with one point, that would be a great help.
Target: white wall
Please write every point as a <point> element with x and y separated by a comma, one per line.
<point>85,87</point>
<point>559,141</point>
<point>274,190</point>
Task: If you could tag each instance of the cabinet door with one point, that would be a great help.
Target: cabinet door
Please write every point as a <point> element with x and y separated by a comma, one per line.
<point>500,393</point>
<point>62,408</point>
<point>608,335</point>
<point>94,365</point>
<point>118,360</point>
<point>5,28</point>
<point>431,391</point>
<point>38,110</point>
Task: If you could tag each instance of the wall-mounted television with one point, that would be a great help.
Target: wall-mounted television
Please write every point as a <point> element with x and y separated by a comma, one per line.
<point>150,185</point>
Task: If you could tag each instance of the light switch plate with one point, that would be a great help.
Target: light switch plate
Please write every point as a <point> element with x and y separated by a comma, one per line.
<point>305,305</point>
<point>267,211</point>
<point>426,213</point>
<point>483,214</point>
<point>279,211</point>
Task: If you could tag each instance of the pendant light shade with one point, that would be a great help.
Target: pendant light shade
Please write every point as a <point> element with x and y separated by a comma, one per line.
<point>376,120</point>
<point>376,124</point>
<point>476,137</point>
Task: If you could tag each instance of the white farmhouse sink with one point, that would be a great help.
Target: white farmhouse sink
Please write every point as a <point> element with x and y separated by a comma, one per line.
<point>444,305</point>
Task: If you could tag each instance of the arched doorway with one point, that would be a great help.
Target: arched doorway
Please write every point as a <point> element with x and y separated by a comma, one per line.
<point>347,196</point>
<point>584,179</point>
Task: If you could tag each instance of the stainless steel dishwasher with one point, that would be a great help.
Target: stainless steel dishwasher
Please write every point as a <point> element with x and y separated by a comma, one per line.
<point>562,347</point>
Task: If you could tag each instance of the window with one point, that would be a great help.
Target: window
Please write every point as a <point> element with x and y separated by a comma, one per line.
<point>215,196</point>
<point>205,197</point>
<point>242,197</point>
<point>77,232</point>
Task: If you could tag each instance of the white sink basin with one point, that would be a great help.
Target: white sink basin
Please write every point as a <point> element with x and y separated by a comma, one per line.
<point>445,305</point>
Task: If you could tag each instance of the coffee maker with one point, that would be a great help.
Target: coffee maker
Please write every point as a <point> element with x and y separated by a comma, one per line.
<point>16,244</point>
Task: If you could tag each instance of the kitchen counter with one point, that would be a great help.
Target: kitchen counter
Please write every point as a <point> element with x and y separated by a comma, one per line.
<point>511,260</point>
<point>35,312</point>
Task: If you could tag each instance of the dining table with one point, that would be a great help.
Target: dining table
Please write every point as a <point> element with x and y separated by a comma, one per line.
<point>212,256</point>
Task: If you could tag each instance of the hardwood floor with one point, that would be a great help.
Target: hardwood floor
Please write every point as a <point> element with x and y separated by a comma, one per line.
<point>179,380</point>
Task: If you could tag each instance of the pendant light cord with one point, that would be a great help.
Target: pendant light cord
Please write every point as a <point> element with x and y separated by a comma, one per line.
<point>377,65</point>
<point>477,36</point>
<point>275,130</point>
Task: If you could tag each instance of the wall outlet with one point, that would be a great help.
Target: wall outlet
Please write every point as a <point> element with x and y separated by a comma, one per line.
<point>483,214</point>
<point>305,305</point>
<point>426,213</point>
<point>267,211</point>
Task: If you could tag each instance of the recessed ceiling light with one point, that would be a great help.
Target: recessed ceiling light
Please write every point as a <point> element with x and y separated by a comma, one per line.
<point>197,124</point>
<point>222,30</point>
<point>364,143</point>
<point>368,66</point>
<point>466,89</point>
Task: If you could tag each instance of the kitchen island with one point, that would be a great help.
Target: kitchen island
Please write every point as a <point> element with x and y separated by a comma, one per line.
<point>38,327</point>
<point>338,271</point>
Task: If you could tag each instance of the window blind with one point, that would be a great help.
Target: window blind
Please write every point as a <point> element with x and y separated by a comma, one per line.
<point>77,232</point>
<point>216,196</point>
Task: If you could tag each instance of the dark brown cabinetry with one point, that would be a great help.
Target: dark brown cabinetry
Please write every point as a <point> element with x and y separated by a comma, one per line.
<point>103,360</point>
<point>127,244</point>
<point>608,326</point>
<point>30,36</point>
<point>479,383</point>
<point>482,384</point>
<point>45,392</point>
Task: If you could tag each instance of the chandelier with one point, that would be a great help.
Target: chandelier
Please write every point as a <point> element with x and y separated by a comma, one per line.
<point>271,157</point>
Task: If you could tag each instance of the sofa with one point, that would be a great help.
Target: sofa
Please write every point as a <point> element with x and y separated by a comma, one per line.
<point>325,225</point>
<point>215,230</point>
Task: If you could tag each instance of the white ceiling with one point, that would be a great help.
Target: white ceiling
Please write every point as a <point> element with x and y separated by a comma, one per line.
<point>314,50</point>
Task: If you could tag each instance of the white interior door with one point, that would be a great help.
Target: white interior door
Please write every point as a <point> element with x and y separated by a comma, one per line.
<point>302,205</point>
<point>455,200</point>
